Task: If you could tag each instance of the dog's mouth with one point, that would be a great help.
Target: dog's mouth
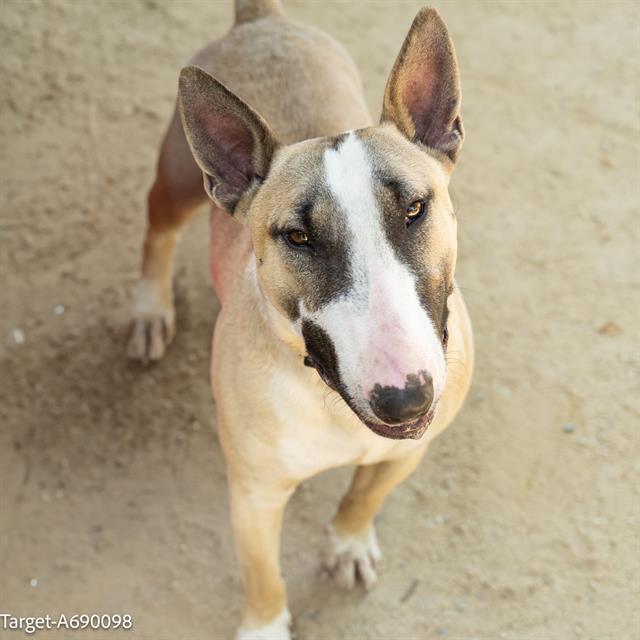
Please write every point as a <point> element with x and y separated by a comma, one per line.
<point>414,429</point>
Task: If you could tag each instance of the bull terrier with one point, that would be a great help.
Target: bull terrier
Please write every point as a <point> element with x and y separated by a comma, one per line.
<point>342,337</point>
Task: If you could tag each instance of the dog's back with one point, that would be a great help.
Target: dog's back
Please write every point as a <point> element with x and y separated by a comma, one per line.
<point>302,81</point>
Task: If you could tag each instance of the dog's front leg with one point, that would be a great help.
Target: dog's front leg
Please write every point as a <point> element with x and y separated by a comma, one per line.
<point>256,517</point>
<point>351,550</point>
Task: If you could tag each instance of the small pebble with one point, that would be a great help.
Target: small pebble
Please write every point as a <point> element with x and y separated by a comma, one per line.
<point>609,329</point>
<point>58,309</point>
<point>18,336</point>
<point>569,427</point>
<point>34,582</point>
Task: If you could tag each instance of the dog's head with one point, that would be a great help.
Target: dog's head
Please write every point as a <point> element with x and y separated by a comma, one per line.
<point>354,236</point>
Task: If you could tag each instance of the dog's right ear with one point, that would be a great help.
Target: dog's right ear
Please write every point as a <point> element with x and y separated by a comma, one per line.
<point>230,142</point>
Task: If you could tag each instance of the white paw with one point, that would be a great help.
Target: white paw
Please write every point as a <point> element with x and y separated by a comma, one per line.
<point>352,558</point>
<point>278,629</point>
<point>153,323</point>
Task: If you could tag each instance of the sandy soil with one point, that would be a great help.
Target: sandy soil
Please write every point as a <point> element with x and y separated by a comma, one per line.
<point>522,522</point>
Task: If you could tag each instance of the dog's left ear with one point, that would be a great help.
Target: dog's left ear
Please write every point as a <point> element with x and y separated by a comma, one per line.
<point>422,96</point>
<point>230,142</point>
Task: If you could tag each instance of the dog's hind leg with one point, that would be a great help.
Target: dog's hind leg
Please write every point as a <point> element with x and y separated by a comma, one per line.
<point>175,195</point>
<point>351,549</point>
<point>256,518</point>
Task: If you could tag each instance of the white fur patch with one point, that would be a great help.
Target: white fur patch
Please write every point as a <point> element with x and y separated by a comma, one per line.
<point>380,330</point>
<point>277,629</point>
<point>147,301</point>
<point>350,558</point>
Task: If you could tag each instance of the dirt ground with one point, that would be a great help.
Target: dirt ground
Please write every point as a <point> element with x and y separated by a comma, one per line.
<point>522,523</point>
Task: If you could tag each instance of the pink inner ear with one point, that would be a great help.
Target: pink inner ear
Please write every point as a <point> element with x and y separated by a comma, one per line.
<point>231,144</point>
<point>427,98</point>
<point>418,98</point>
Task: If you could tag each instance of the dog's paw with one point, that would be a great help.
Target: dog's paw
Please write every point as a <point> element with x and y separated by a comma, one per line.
<point>153,323</point>
<point>278,629</point>
<point>350,559</point>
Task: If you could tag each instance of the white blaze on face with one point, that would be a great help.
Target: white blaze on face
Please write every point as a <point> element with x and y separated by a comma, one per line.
<point>380,331</point>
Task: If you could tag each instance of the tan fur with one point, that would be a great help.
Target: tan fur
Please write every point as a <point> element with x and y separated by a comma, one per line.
<point>267,63</point>
<point>275,424</point>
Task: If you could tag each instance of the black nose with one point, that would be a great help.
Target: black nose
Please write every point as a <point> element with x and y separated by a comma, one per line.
<point>398,406</point>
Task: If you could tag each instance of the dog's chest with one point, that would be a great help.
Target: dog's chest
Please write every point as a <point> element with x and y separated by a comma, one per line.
<point>317,431</point>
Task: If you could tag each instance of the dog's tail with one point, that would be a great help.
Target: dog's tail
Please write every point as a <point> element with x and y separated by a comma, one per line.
<point>248,10</point>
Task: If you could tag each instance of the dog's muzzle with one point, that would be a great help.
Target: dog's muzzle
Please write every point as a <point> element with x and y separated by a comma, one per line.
<point>404,413</point>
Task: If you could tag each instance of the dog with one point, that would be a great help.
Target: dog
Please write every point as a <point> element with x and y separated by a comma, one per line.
<point>333,250</point>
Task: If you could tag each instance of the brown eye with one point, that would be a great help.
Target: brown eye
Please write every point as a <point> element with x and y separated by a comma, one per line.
<point>298,238</point>
<point>414,211</point>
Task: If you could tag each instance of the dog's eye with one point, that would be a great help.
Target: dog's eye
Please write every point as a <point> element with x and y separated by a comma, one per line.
<point>414,211</point>
<point>297,238</point>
